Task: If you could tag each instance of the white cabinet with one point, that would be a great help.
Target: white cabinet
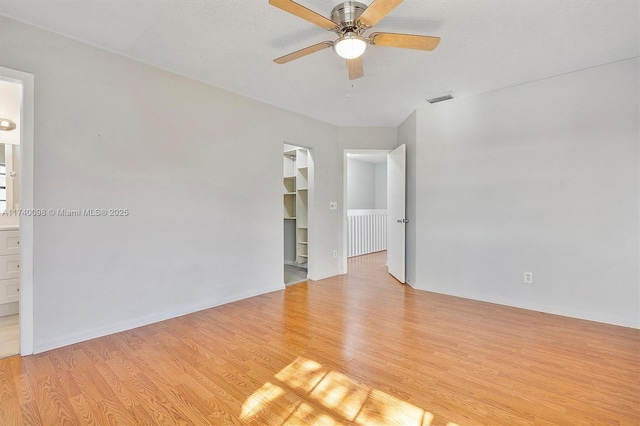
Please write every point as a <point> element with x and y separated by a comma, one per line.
<point>9,265</point>
<point>9,241</point>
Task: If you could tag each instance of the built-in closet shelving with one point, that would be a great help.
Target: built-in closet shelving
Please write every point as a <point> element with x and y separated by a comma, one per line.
<point>296,198</point>
<point>290,184</point>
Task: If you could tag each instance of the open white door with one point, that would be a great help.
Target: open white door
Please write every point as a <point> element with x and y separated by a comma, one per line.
<point>396,185</point>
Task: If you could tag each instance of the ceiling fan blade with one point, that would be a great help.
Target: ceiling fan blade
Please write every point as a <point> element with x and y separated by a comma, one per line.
<point>378,10</point>
<point>303,52</point>
<point>405,41</point>
<point>355,68</point>
<point>304,13</point>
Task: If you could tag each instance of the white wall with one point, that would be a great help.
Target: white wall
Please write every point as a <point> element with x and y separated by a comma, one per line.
<point>541,177</point>
<point>203,188</point>
<point>366,185</point>
<point>289,241</point>
<point>381,186</point>
<point>361,184</point>
<point>367,137</point>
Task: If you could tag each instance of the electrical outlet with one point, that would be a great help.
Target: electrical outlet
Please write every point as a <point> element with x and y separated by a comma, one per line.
<point>333,205</point>
<point>528,277</point>
<point>335,254</point>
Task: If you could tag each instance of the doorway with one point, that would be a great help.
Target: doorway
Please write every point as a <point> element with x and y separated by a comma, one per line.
<point>365,203</point>
<point>374,194</point>
<point>10,121</point>
<point>16,216</point>
<point>297,197</point>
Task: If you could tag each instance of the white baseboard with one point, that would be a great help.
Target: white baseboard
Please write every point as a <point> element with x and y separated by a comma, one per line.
<point>323,276</point>
<point>72,338</point>
<point>547,309</point>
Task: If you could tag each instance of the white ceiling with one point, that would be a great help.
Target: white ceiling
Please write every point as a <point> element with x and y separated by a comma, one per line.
<point>486,45</point>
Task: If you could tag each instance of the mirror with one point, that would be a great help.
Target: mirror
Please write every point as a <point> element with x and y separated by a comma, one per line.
<point>9,177</point>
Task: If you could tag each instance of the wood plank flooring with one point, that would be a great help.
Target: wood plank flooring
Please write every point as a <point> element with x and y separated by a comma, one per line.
<point>357,349</point>
<point>9,335</point>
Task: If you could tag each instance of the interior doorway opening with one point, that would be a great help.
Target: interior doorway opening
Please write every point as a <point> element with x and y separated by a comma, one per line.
<point>365,203</point>
<point>297,196</point>
<point>10,122</point>
<point>16,196</point>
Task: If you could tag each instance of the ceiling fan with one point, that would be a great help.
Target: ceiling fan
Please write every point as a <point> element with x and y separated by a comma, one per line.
<point>350,20</point>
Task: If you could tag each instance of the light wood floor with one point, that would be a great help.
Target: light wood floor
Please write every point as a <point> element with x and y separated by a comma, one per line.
<point>9,335</point>
<point>358,349</point>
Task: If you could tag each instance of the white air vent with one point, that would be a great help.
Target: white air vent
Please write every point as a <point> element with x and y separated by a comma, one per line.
<point>441,97</point>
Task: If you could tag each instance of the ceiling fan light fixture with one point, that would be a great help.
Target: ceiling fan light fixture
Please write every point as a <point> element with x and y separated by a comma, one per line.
<point>350,20</point>
<point>350,45</point>
<point>6,124</point>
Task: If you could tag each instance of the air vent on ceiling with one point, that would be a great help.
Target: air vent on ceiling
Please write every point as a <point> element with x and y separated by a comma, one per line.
<point>441,97</point>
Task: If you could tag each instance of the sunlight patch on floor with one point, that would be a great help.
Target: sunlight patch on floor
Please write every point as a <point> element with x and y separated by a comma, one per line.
<point>267,392</point>
<point>304,392</point>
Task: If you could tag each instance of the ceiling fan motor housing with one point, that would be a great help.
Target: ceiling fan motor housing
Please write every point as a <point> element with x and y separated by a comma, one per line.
<point>346,16</point>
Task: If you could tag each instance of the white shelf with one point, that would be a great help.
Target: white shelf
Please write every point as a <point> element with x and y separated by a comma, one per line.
<point>290,218</point>
<point>296,163</point>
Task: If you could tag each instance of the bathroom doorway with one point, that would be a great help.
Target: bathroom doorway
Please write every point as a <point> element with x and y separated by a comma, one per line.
<point>16,215</point>
<point>10,123</point>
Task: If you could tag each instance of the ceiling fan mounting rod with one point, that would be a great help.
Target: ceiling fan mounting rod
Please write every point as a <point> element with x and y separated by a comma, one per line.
<point>346,15</point>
